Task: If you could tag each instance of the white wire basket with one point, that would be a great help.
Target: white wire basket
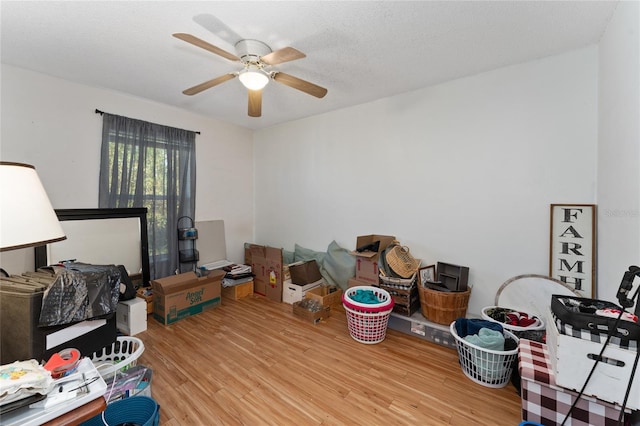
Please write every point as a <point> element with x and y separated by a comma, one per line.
<point>122,354</point>
<point>539,325</point>
<point>484,366</point>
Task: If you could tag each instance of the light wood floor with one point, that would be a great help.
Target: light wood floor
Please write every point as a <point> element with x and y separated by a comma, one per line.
<point>253,362</point>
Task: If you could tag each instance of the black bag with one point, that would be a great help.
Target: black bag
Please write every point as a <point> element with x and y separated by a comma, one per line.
<point>576,316</point>
<point>127,290</point>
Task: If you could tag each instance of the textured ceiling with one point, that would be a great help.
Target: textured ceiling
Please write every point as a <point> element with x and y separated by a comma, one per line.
<point>359,50</point>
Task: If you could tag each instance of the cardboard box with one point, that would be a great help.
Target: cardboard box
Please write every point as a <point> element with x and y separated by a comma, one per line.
<point>367,261</point>
<point>131,316</point>
<point>147,294</point>
<point>572,359</point>
<point>266,264</point>
<point>286,275</point>
<point>238,291</point>
<point>304,272</point>
<point>309,316</point>
<point>294,293</point>
<point>356,283</point>
<point>327,295</point>
<point>180,296</point>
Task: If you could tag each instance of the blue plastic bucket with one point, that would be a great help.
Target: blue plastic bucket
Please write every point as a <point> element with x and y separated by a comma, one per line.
<point>138,410</point>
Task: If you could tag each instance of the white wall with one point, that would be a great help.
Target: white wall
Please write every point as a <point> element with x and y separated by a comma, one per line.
<point>51,124</point>
<point>462,172</point>
<point>619,148</point>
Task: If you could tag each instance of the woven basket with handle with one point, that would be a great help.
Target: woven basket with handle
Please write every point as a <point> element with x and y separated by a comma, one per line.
<point>401,261</point>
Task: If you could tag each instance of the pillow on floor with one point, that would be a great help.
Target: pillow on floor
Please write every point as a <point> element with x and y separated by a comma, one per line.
<point>288,257</point>
<point>339,265</point>
<point>302,253</point>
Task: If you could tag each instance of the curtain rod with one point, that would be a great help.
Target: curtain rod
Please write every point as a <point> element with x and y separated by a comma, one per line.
<point>102,112</point>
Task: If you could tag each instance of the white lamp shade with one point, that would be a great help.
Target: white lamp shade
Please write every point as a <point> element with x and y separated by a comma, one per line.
<point>27,218</point>
<point>253,79</point>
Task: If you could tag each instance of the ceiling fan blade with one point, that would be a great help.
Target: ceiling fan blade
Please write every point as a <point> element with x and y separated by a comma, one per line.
<point>255,103</point>
<point>206,46</point>
<point>208,84</point>
<point>285,54</point>
<point>302,85</point>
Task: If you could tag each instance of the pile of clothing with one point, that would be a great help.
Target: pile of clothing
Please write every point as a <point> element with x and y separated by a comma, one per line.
<point>486,335</point>
<point>513,317</point>
<point>365,296</point>
<point>483,333</point>
<point>22,379</point>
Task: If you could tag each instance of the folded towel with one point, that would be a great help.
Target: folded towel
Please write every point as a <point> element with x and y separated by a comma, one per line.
<point>487,339</point>
<point>365,296</point>
<point>487,365</point>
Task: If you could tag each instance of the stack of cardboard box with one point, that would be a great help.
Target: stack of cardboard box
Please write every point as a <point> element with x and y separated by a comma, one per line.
<point>303,276</point>
<point>367,271</point>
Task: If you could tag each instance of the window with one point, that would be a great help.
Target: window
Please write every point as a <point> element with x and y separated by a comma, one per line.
<point>148,165</point>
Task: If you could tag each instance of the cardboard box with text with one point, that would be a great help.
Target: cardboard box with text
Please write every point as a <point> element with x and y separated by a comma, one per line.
<point>266,265</point>
<point>180,296</point>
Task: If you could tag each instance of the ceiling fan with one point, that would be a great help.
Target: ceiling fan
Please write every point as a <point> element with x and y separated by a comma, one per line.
<point>256,58</point>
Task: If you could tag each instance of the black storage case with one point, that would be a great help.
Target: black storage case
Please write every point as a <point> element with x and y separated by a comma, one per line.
<point>579,313</point>
<point>22,339</point>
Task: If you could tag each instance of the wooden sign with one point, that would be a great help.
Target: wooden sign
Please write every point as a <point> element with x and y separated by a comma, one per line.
<point>572,257</point>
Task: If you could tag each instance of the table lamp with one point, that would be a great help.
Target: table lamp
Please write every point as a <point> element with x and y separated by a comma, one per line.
<point>27,218</point>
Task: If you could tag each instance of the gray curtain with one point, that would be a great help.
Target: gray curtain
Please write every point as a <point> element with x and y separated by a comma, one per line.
<point>148,165</point>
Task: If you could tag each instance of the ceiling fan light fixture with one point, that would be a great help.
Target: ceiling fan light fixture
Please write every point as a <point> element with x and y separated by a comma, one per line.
<point>253,78</point>
<point>255,57</point>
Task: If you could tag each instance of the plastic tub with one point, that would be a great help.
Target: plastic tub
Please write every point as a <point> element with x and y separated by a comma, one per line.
<point>484,366</point>
<point>136,410</point>
<point>533,327</point>
<point>367,323</point>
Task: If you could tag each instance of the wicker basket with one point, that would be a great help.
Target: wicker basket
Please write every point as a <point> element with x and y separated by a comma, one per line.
<point>401,261</point>
<point>443,307</point>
